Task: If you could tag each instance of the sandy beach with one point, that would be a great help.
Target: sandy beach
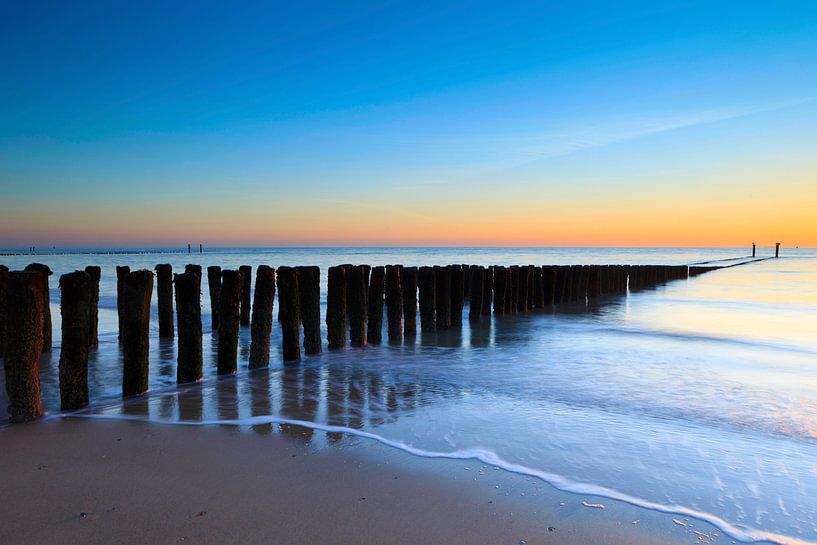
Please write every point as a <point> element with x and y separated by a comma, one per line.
<point>82,481</point>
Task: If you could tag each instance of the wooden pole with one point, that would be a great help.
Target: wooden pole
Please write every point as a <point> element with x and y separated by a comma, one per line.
<point>309,293</point>
<point>356,287</point>
<point>777,249</point>
<point>408,281</point>
<point>289,313</point>
<point>94,274</point>
<point>394,303</point>
<point>122,273</point>
<point>457,282</point>
<point>164,294</point>
<point>4,278</point>
<point>229,307</point>
<point>487,290</point>
<point>548,286</point>
<point>524,281</point>
<point>24,301</point>
<point>336,308</point>
<point>466,277</point>
<point>442,281</point>
<point>188,319</point>
<point>377,284</point>
<point>538,294</point>
<point>476,277</point>
<point>45,272</point>
<point>428,312</point>
<point>75,309</point>
<point>753,249</point>
<point>261,325</point>
<point>246,288</point>
<point>136,293</point>
<point>500,290</point>
<point>214,287</point>
<point>192,268</point>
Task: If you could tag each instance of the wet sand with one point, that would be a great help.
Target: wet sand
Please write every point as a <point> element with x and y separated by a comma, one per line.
<point>91,482</point>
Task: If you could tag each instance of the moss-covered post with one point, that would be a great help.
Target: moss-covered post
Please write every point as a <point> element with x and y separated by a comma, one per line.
<point>427,287</point>
<point>500,290</point>
<point>442,280</point>
<point>122,272</point>
<point>45,272</point>
<point>94,274</point>
<point>164,294</point>
<point>24,301</point>
<point>246,272</point>
<point>336,308</point>
<point>229,306</point>
<point>309,293</point>
<point>476,276</point>
<point>356,287</point>
<point>457,282</point>
<point>136,293</point>
<point>75,309</point>
<point>214,287</point>
<point>377,284</point>
<point>261,325</point>
<point>408,281</point>
<point>4,278</point>
<point>289,313</point>
<point>188,321</point>
<point>394,303</point>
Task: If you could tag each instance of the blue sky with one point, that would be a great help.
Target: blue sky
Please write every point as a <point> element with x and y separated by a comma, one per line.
<point>109,110</point>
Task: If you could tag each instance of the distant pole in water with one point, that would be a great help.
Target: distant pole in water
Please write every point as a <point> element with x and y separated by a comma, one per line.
<point>4,278</point>
<point>261,325</point>
<point>457,282</point>
<point>164,294</point>
<point>188,320</point>
<point>289,313</point>
<point>442,281</point>
<point>75,311</point>
<point>94,274</point>
<point>427,287</point>
<point>309,293</point>
<point>214,287</point>
<point>336,308</point>
<point>753,249</point>
<point>356,288</point>
<point>201,248</point>
<point>476,276</point>
<point>45,272</point>
<point>394,303</point>
<point>136,292</point>
<point>24,345</point>
<point>408,281</point>
<point>229,304</point>
<point>246,272</point>
<point>777,249</point>
<point>374,301</point>
<point>188,247</point>
<point>122,273</point>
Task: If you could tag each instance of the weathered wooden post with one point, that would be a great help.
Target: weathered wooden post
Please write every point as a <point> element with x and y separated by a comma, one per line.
<point>214,287</point>
<point>753,249</point>
<point>500,290</point>
<point>394,303</point>
<point>428,297</point>
<point>24,300</point>
<point>45,272</point>
<point>512,305</point>
<point>529,298</point>
<point>592,281</point>
<point>122,272</point>
<point>75,309</point>
<point>522,299</point>
<point>4,278</point>
<point>487,289</point>
<point>356,288</point>
<point>548,285</point>
<point>374,298</point>
<point>229,316</point>
<point>246,272</point>
<point>136,293</point>
<point>442,283</point>
<point>192,268</point>
<point>777,249</point>
<point>538,294</point>
<point>94,274</point>
<point>309,294</point>
<point>336,308</point>
<point>563,290</point>
<point>457,282</point>
<point>466,278</point>
<point>164,294</point>
<point>476,276</point>
<point>261,325</point>
<point>188,320</point>
<point>408,281</point>
<point>289,313</point>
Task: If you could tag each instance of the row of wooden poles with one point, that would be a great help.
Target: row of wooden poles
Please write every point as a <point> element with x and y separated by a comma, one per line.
<point>355,301</point>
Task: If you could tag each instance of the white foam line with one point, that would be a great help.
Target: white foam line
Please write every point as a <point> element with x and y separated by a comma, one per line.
<point>746,534</point>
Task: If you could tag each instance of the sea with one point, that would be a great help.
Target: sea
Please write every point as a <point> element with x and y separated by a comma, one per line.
<point>696,398</point>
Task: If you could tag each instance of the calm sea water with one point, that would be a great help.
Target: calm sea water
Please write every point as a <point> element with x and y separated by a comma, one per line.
<point>696,398</point>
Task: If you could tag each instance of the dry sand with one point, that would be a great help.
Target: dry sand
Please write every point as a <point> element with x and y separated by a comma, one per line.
<point>72,480</point>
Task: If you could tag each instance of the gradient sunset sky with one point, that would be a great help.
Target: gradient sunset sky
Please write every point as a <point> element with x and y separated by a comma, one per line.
<point>408,123</point>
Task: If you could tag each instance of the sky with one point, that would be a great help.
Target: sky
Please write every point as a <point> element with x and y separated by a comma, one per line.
<point>408,123</point>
